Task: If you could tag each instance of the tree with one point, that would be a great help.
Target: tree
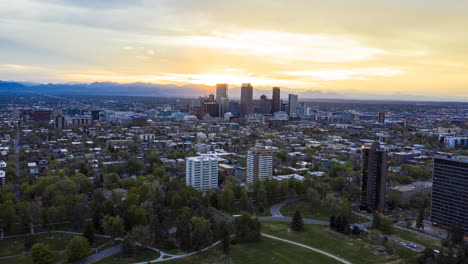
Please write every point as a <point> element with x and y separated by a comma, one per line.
<point>332,222</point>
<point>184,230</point>
<point>128,249</point>
<point>201,232</point>
<point>113,226</point>
<point>455,234</point>
<point>356,231</point>
<point>244,201</point>
<point>420,220</point>
<point>297,224</point>
<point>247,228</point>
<point>89,232</point>
<point>29,241</point>
<point>141,234</point>
<point>376,220</point>
<point>78,248</point>
<point>41,254</point>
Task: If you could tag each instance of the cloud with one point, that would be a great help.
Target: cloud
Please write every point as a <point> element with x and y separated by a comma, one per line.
<point>347,74</point>
<point>283,46</point>
<point>150,52</point>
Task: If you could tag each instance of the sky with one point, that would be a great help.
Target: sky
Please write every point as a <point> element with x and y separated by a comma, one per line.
<point>417,48</point>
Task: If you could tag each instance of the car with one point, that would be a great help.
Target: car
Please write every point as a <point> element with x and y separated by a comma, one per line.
<point>402,243</point>
<point>413,245</point>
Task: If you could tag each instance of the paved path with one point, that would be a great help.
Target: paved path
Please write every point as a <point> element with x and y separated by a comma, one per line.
<point>275,209</point>
<point>307,247</point>
<point>289,219</point>
<point>416,232</point>
<point>98,256</point>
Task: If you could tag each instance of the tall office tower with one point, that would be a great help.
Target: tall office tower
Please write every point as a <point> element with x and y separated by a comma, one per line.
<point>373,181</point>
<point>276,100</point>
<point>381,117</point>
<point>262,106</point>
<point>234,108</point>
<point>293,103</point>
<point>202,172</point>
<point>259,164</point>
<point>223,106</point>
<point>246,101</point>
<point>59,121</point>
<point>450,193</point>
<point>221,91</point>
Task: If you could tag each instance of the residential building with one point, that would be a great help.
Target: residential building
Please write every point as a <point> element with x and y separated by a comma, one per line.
<point>202,172</point>
<point>59,121</point>
<point>2,178</point>
<point>450,193</point>
<point>405,194</point>
<point>381,117</point>
<point>259,164</point>
<point>246,102</point>
<point>373,181</point>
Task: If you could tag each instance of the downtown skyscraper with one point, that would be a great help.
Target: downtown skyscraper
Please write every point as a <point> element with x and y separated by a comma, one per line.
<point>246,101</point>
<point>293,103</point>
<point>276,100</point>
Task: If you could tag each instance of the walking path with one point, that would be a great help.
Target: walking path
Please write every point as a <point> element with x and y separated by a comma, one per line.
<point>307,247</point>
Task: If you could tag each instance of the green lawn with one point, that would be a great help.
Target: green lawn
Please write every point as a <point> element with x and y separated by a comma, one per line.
<point>351,249</point>
<point>417,239</point>
<point>57,242</point>
<point>263,251</point>
<point>141,255</point>
<point>319,213</point>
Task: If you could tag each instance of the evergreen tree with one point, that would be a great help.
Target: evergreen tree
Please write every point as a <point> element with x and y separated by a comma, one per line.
<point>244,201</point>
<point>339,224</point>
<point>356,231</point>
<point>332,222</point>
<point>297,224</point>
<point>420,220</point>
<point>89,232</point>
<point>345,226</point>
<point>376,221</point>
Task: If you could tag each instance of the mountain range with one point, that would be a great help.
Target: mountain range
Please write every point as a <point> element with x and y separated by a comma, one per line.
<point>193,91</point>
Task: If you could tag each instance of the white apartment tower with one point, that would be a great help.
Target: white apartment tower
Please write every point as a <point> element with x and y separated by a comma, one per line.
<point>259,164</point>
<point>202,172</point>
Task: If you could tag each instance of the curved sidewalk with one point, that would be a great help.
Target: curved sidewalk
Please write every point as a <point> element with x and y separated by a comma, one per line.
<point>308,247</point>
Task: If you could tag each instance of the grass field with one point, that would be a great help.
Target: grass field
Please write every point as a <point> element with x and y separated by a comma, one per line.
<point>263,251</point>
<point>417,239</point>
<point>351,249</point>
<point>320,213</point>
<point>141,255</point>
<point>57,242</point>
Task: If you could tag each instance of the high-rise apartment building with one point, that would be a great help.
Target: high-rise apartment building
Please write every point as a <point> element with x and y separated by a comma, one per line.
<point>246,101</point>
<point>259,164</point>
<point>374,174</point>
<point>276,100</point>
<point>381,117</point>
<point>293,103</point>
<point>450,193</point>
<point>221,91</point>
<point>59,121</point>
<point>202,172</point>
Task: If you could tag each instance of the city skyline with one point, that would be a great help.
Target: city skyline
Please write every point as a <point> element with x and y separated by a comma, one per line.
<point>334,47</point>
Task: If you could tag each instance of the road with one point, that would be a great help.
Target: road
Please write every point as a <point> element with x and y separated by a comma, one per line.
<point>307,247</point>
<point>98,256</point>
